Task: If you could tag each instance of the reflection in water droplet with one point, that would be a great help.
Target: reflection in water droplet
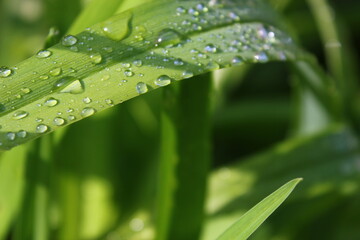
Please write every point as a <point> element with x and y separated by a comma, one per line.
<point>44,54</point>
<point>41,128</point>
<point>5,72</point>
<point>51,102</point>
<point>163,80</point>
<point>187,74</point>
<point>87,112</point>
<point>117,28</point>
<point>20,115</point>
<point>141,87</point>
<point>69,40</point>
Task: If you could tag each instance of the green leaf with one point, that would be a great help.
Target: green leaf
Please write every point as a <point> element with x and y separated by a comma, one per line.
<point>129,54</point>
<point>252,219</point>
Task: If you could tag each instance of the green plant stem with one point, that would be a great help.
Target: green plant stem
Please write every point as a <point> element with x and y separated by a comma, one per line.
<point>184,160</point>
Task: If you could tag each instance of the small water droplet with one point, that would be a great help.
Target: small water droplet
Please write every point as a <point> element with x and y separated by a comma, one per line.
<point>212,66</point>
<point>237,61</point>
<point>141,87</point>
<point>96,58</point>
<point>87,100</point>
<point>21,134</point>
<point>41,128</point>
<point>20,115</point>
<point>261,57</point>
<point>58,121</point>
<point>69,40</point>
<point>26,90</point>
<point>180,10</point>
<point>44,54</point>
<point>55,72</point>
<point>210,48</point>
<point>87,112</point>
<point>11,136</point>
<point>5,72</point>
<point>109,102</point>
<point>44,77</point>
<point>71,117</point>
<point>187,74</point>
<point>51,102</point>
<point>163,80</point>
<point>128,73</point>
<point>137,63</point>
<point>178,62</point>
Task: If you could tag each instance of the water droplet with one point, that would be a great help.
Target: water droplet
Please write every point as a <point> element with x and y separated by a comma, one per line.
<point>212,66</point>
<point>44,54</point>
<point>5,72</point>
<point>44,77</point>
<point>109,102</point>
<point>137,63</point>
<point>210,48</point>
<point>69,40</point>
<point>180,10</point>
<point>141,87</point>
<point>261,57</point>
<point>128,73</point>
<point>26,90</point>
<point>168,37</point>
<point>58,121</point>
<point>187,74</point>
<point>87,112</point>
<point>20,115</point>
<point>178,62</point>
<point>51,102</point>
<point>163,80</point>
<point>41,128</point>
<point>96,58</point>
<point>237,61</point>
<point>117,28</point>
<point>71,117</point>
<point>74,87</point>
<point>87,100</point>
<point>55,72</point>
<point>108,49</point>
<point>21,134</point>
<point>11,136</point>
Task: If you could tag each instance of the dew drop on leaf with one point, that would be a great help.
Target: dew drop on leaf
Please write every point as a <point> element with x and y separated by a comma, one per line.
<point>74,87</point>
<point>55,72</point>
<point>88,111</point>
<point>41,128</point>
<point>117,28</point>
<point>141,87</point>
<point>51,102</point>
<point>69,41</point>
<point>21,134</point>
<point>96,58</point>
<point>20,115</point>
<point>5,72</point>
<point>168,37</point>
<point>163,80</point>
<point>87,100</point>
<point>44,54</point>
<point>187,74</point>
<point>58,121</point>
<point>11,136</point>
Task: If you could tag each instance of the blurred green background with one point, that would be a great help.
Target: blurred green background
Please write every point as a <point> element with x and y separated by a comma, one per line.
<point>99,178</point>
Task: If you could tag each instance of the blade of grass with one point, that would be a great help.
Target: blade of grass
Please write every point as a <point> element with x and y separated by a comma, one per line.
<point>252,219</point>
<point>185,159</point>
<point>144,21</point>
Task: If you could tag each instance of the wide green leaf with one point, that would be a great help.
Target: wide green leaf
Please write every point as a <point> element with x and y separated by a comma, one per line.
<point>252,219</point>
<point>128,55</point>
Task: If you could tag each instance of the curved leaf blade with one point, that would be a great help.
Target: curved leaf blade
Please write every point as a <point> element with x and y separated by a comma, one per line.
<point>132,53</point>
<point>252,219</point>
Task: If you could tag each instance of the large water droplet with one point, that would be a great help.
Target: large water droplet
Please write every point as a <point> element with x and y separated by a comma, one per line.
<point>41,128</point>
<point>69,40</point>
<point>44,54</point>
<point>141,87</point>
<point>20,115</point>
<point>88,111</point>
<point>51,102</point>
<point>163,80</point>
<point>117,28</point>
<point>5,72</point>
<point>168,37</point>
<point>74,87</point>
